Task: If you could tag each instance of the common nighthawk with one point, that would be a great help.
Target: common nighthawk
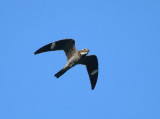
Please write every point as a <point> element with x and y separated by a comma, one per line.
<point>74,57</point>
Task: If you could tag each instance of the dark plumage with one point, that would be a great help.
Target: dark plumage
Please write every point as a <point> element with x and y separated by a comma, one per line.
<point>74,57</point>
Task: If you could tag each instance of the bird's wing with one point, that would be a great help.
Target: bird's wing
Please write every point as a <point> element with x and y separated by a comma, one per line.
<point>68,45</point>
<point>91,63</point>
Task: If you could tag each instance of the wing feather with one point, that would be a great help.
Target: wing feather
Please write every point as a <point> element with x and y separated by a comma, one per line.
<point>68,45</point>
<point>91,63</point>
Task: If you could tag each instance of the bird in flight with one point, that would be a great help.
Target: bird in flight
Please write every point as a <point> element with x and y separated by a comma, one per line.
<point>74,57</point>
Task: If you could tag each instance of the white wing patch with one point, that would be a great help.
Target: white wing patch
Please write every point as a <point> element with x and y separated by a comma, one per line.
<point>53,46</point>
<point>94,72</point>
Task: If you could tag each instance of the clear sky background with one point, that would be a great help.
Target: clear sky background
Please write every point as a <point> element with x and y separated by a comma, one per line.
<point>125,36</point>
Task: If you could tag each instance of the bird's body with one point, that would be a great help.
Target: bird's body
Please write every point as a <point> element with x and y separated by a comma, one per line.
<point>74,60</point>
<point>74,57</point>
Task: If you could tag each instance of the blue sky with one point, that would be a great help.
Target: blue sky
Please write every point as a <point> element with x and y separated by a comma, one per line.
<point>125,36</point>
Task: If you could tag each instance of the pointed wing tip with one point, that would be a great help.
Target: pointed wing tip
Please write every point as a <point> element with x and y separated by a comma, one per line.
<point>35,53</point>
<point>92,87</point>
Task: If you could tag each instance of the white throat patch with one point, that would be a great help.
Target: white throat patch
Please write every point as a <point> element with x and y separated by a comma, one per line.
<point>83,53</point>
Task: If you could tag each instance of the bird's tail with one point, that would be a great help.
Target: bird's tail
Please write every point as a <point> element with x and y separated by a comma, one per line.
<point>61,72</point>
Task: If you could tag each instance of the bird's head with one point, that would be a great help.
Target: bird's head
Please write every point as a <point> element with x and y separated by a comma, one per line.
<point>84,51</point>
